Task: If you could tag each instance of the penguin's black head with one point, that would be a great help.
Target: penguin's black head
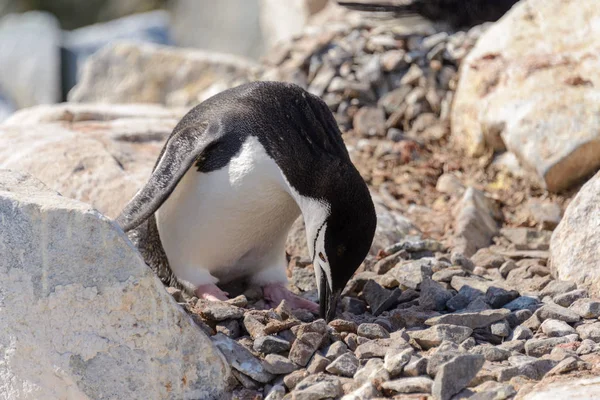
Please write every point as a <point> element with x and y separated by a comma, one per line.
<point>342,243</point>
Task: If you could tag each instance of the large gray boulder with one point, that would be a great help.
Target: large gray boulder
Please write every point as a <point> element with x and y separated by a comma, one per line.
<point>534,90</point>
<point>82,316</point>
<point>575,243</point>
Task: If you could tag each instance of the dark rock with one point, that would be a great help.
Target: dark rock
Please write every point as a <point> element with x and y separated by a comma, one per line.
<point>378,298</point>
<point>353,305</point>
<point>454,375</point>
<point>498,297</point>
<point>463,298</point>
<point>271,344</point>
<point>433,296</point>
<point>523,303</point>
<point>230,328</point>
<point>241,359</point>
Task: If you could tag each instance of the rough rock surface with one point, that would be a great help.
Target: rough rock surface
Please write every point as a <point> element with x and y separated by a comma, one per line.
<point>519,74</point>
<point>83,315</point>
<point>575,241</point>
<point>150,73</point>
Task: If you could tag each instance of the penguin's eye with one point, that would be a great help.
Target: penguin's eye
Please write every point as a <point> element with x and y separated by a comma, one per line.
<point>322,257</point>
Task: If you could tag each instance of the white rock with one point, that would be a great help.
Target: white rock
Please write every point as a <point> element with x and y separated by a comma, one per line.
<point>136,73</point>
<point>534,90</point>
<point>82,315</point>
<point>566,388</point>
<point>575,242</point>
<point>99,154</point>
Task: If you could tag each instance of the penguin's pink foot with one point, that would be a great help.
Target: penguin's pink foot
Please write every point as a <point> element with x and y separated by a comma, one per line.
<point>210,292</point>
<point>274,293</point>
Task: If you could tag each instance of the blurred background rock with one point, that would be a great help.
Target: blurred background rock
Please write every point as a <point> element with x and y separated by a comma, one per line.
<point>45,43</point>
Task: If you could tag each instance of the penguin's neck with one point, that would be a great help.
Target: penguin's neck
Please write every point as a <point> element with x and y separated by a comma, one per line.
<point>314,212</point>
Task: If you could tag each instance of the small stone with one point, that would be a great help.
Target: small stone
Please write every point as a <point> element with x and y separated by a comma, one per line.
<point>586,308</point>
<point>521,333</point>
<point>491,353</point>
<point>446,275</point>
<point>470,319</point>
<point>351,341</point>
<point>487,259</point>
<point>218,310</point>
<point>455,375</point>
<point>465,296</point>
<point>373,371</point>
<point>556,328</point>
<point>458,258</point>
<point>378,298</point>
<point>379,347</point>
<point>372,331</point>
<point>468,344</point>
<point>308,339</point>
<point>385,264</point>
<point>253,326</point>
<point>557,287</point>
<point>353,305</point>
<point>369,121</point>
<point>336,349</point>
<point>416,366</point>
<point>435,335</point>
<point>271,344</point>
<point>245,381</point>
<point>539,347</point>
<point>567,365</point>
<point>344,365</point>
<point>587,346</point>
<point>238,301</point>
<point>554,311</point>
<point>317,364</point>
<point>341,325</point>
<point>589,331</point>
<point>291,380</point>
<point>365,392</point>
<point>566,299</point>
<point>449,184</point>
<point>500,328</point>
<point>279,365</point>
<point>411,273</point>
<point>319,386</point>
<point>531,368</point>
<point>523,303</point>
<point>241,359</point>
<point>433,295</point>
<point>439,358</point>
<point>477,305</point>
<point>514,346</point>
<point>230,328</point>
<point>506,267</point>
<point>421,384</point>
<point>546,213</point>
<point>498,297</point>
<point>532,323</point>
<point>394,362</point>
<point>277,392</point>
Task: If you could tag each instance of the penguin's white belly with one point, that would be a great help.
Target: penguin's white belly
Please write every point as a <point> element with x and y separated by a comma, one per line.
<point>229,223</point>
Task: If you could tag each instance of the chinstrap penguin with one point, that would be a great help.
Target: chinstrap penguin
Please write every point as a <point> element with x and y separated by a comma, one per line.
<point>233,176</point>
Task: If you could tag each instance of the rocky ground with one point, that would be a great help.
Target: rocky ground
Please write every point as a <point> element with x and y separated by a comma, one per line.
<point>487,286</point>
<point>466,307</point>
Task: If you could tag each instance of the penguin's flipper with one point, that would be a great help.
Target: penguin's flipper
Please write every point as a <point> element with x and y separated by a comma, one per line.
<point>183,147</point>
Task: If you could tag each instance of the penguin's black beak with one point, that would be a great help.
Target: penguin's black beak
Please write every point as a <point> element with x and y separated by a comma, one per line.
<point>328,299</point>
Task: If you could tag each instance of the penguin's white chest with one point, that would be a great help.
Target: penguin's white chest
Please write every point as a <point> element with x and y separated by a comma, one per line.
<point>228,223</point>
